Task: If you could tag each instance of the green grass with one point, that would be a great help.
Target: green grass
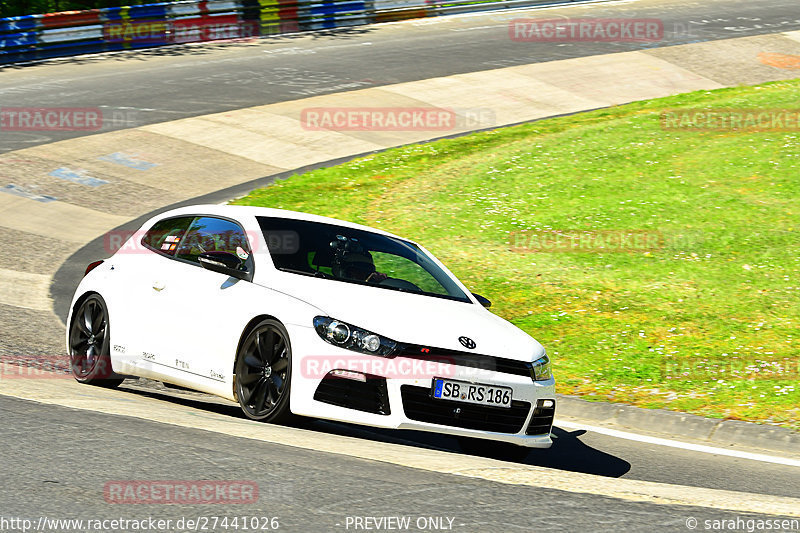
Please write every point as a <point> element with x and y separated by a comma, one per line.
<point>724,289</point>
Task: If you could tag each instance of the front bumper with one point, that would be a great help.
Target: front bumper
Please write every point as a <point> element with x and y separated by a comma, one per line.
<point>396,395</point>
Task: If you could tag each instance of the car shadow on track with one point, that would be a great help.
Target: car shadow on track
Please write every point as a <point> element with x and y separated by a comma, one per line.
<point>567,453</point>
<point>572,454</point>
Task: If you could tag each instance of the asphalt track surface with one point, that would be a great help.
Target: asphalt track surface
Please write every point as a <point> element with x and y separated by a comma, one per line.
<point>56,459</point>
<point>573,451</point>
<point>307,491</point>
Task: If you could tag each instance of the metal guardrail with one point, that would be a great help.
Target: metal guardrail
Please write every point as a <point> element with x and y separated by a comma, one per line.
<point>35,37</point>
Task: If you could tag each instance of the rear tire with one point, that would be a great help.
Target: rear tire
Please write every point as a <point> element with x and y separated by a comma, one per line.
<point>90,344</point>
<point>264,373</point>
<point>493,449</point>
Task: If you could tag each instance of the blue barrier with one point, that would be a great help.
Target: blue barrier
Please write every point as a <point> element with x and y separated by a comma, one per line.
<point>329,12</point>
<point>12,24</point>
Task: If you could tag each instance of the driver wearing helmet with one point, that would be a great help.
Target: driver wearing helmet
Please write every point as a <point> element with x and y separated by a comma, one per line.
<point>360,267</point>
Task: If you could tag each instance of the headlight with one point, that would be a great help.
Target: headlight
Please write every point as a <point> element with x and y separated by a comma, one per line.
<point>541,370</point>
<point>353,338</point>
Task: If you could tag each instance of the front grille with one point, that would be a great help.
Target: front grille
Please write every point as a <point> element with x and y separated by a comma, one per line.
<point>418,405</point>
<point>542,420</point>
<point>370,396</point>
<point>471,360</point>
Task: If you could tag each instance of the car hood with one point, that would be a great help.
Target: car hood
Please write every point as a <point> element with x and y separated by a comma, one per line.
<point>414,318</point>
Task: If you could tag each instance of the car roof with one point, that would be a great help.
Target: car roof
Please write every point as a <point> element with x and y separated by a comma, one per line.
<point>242,211</point>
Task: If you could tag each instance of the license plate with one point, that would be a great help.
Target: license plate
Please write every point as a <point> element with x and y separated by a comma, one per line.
<point>477,393</point>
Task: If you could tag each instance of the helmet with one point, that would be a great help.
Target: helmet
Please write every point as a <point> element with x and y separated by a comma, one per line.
<point>350,259</point>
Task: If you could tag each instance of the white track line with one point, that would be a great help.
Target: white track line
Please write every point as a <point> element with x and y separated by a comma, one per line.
<point>678,444</point>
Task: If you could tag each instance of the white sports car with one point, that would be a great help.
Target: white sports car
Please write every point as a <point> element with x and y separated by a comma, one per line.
<point>289,313</point>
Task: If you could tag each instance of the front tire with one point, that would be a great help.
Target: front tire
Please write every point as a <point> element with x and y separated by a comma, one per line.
<point>90,344</point>
<point>264,371</point>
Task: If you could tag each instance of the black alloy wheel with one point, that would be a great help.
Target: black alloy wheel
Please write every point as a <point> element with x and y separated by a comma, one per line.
<point>89,344</point>
<point>263,372</point>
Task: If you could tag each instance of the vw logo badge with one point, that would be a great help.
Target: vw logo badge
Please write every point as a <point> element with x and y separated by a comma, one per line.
<point>466,342</point>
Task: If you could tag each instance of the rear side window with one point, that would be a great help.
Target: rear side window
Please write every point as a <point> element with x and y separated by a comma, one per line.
<point>210,234</point>
<point>165,234</point>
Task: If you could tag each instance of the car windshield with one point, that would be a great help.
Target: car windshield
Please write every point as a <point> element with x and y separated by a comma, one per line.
<point>355,256</point>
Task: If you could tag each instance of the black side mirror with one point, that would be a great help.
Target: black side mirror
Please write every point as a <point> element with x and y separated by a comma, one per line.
<point>225,263</point>
<point>481,300</point>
